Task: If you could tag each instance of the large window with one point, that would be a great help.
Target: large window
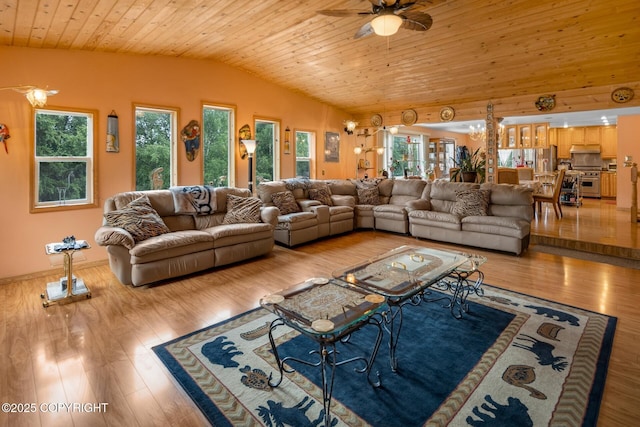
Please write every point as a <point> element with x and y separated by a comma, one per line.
<point>64,164</point>
<point>305,146</point>
<point>267,149</point>
<point>217,145</point>
<point>407,155</point>
<point>156,148</point>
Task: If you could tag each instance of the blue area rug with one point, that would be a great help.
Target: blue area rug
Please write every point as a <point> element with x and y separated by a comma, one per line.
<point>513,360</point>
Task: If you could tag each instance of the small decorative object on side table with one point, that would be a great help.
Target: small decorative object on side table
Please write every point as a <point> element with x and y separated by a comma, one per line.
<point>69,288</point>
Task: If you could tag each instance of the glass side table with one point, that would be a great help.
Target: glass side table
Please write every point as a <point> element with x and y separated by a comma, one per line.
<point>69,288</point>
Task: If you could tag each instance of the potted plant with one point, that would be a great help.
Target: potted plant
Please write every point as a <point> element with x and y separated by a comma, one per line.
<point>471,167</point>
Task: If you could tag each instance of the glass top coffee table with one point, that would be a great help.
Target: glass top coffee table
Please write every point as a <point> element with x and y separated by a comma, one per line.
<point>403,275</point>
<point>327,311</point>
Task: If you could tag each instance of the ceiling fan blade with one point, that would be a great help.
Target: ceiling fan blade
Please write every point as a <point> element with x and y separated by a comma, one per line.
<point>341,13</point>
<point>364,31</point>
<point>416,21</point>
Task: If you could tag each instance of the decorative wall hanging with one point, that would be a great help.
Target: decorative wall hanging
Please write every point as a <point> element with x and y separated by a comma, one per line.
<point>243,133</point>
<point>546,103</point>
<point>331,147</point>
<point>622,95</point>
<point>113,140</point>
<point>191,137</point>
<point>4,135</point>
<point>409,117</point>
<point>376,120</point>
<point>447,114</point>
<point>287,143</point>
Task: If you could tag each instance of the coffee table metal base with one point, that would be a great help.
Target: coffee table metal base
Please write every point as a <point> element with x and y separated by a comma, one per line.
<point>327,359</point>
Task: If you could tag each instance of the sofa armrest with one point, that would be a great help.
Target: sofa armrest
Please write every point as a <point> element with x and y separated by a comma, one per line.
<point>107,235</point>
<point>269,215</point>
<point>418,205</point>
<point>306,204</point>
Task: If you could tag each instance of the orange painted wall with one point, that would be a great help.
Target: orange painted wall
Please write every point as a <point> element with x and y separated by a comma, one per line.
<point>106,82</point>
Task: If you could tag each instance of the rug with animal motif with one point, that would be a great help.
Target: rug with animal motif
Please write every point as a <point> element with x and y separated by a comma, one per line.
<point>512,360</point>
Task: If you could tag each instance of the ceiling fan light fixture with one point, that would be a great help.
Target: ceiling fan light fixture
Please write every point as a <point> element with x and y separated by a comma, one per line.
<point>386,24</point>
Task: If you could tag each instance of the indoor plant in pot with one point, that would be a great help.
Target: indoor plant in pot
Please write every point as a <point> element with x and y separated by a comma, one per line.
<point>471,167</point>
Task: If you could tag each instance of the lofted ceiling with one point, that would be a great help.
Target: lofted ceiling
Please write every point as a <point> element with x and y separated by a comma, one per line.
<point>476,50</point>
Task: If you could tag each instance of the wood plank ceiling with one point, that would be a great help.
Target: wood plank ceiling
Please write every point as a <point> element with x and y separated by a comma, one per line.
<point>476,50</point>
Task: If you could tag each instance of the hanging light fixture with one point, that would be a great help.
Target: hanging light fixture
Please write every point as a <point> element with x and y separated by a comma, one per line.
<point>36,96</point>
<point>349,126</point>
<point>386,23</point>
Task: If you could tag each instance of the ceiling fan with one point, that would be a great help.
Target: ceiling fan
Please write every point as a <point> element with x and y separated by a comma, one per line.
<point>389,16</point>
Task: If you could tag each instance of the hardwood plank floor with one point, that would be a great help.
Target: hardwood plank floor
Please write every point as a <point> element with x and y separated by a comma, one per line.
<point>99,350</point>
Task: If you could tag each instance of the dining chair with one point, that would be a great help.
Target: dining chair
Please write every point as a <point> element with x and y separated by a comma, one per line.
<point>553,197</point>
<point>525,174</point>
<point>508,176</point>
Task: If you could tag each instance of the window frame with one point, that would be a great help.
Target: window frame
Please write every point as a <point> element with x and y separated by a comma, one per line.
<point>91,201</point>
<point>277,129</point>
<point>173,143</point>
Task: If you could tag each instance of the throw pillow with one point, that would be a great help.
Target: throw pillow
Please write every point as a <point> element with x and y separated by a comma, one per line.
<point>242,210</point>
<point>368,196</point>
<point>471,203</point>
<point>139,219</point>
<point>285,201</point>
<point>323,195</point>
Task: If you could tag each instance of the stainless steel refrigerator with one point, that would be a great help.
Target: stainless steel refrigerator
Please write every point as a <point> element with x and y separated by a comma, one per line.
<point>546,159</point>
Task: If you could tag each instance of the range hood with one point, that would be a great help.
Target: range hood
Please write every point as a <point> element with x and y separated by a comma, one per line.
<point>585,149</point>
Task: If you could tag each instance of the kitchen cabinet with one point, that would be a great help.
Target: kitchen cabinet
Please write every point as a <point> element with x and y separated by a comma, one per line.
<point>609,142</point>
<point>511,136</point>
<point>563,138</point>
<point>540,135</point>
<point>592,135</point>
<point>576,136</point>
<point>608,184</point>
<point>524,136</point>
<point>552,136</point>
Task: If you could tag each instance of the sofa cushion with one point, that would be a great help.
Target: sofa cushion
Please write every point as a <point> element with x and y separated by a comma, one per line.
<point>497,226</point>
<point>471,203</point>
<point>138,218</point>
<point>368,196</point>
<point>285,201</point>
<point>321,194</point>
<point>266,189</point>
<point>242,210</point>
<point>170,245</point>
<point>114,236</point>
<point>436,219</point>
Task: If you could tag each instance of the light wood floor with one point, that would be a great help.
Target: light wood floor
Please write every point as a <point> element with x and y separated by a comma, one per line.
<point>99,350</point>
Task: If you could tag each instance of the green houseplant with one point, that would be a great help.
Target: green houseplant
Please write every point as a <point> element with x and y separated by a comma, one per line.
<point>470,167</point>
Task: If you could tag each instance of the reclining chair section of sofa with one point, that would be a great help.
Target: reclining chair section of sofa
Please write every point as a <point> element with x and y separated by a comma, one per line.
<point>191,242</point>
<point>303,218</point>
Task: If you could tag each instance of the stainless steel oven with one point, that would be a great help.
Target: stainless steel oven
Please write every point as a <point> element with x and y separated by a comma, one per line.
<point>590,184</point>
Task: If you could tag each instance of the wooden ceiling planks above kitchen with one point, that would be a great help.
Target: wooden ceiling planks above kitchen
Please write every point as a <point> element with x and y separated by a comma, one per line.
<point>476,51</point>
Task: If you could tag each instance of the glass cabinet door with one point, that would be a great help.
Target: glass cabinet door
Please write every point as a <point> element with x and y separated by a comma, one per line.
<point>512,140</point>
<point>540,139</point>
<point>524,136</point>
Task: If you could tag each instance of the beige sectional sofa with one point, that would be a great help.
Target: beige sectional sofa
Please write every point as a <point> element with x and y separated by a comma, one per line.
<point>148,244</point>
<point>432,210</point>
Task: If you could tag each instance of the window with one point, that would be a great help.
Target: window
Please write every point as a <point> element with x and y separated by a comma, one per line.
<point>217,144</point>
<point>64,166</point>
<point>407,155</point>
<point>156,148</point>
<point>267,150</point>
<point>305,142</point>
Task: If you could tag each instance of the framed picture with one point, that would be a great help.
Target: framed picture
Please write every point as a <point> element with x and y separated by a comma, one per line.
<point>331,147</point>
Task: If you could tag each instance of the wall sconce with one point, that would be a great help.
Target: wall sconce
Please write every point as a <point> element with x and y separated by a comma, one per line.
<point>37,97</point>
<point>349,126</point>
<point>250,144</point>
<point>357,150</point>
<point>393,130</point>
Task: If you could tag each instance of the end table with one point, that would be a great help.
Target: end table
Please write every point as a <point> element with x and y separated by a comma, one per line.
<point>69,288</point>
